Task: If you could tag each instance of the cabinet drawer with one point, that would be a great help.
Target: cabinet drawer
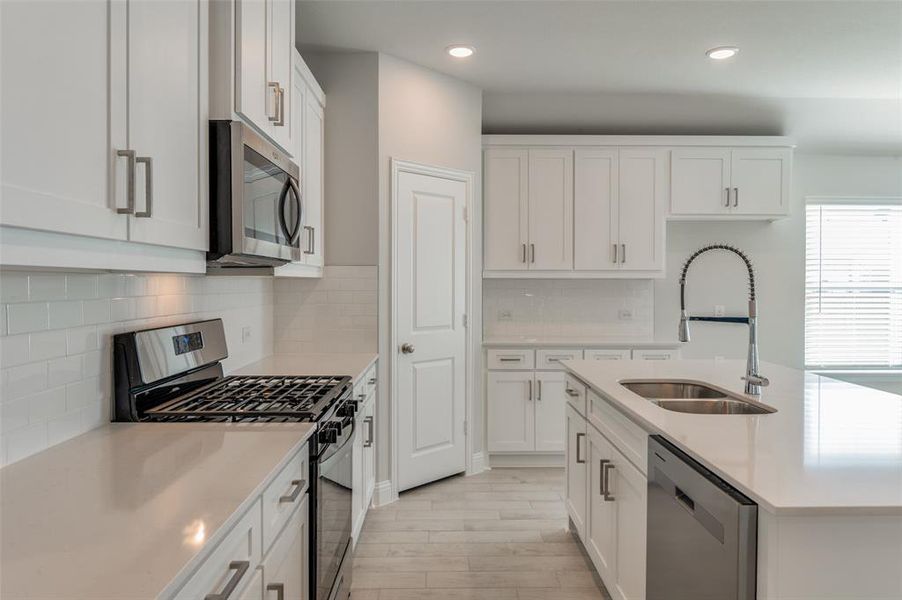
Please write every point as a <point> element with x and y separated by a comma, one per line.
<point>511,358</point>
<point>284,494</point>
<point>629,438</point>
<point>608,354</point>
<point>576,394</point>
<point>232,563</point>
<point>550,359</point>
<point>656,354</point>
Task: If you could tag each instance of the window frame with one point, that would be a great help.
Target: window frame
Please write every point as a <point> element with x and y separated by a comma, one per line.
<point>842,201</point>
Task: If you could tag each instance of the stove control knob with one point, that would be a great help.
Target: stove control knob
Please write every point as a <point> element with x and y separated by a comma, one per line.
<point>328,434</point>
<point>349,409</point>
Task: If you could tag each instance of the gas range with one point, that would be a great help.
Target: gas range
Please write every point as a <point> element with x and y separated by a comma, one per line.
<point>175,374</point>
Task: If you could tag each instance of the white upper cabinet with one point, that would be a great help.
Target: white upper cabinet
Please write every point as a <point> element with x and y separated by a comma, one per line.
<point>252,56</point>
<point>641,208</point>
<point>56,159</point>
<point>595,228</point>
<point>167,121</point>
<point>126,145</point>
<point>760,180</point>
<point>550,209</point>
<point>312,179</point>
<point>730,182</point>
<point>700,181</point>
<point>506,209</point>
<point>619,205</point>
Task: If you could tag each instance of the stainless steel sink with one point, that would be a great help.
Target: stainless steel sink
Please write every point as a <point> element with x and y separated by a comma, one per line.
<point>695,398</point>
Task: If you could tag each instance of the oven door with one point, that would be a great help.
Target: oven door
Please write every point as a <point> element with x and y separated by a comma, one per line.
<point>333,510</point>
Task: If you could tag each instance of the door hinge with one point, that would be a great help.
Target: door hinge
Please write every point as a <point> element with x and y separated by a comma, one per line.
<point>466,321</point>
<point>466,430</point>
<point>466,215</point>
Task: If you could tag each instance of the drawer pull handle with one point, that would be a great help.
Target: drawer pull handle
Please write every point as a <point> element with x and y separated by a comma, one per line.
<point>509,359</point>
<point>240,567</point>
<point>278,588</point>
<point>579,459</point>
<point>608,467</point>
<point>298,486</point>
<point>372,381</point>
<point>572,393</point>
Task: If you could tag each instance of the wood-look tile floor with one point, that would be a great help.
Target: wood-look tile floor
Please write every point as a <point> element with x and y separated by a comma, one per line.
<point>499,535</point>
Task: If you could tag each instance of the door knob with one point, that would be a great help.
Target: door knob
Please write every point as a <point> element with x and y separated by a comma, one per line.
<point>407,348</point>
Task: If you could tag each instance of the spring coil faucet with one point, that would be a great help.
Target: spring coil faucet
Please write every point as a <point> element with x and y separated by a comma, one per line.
<point>754,381</point>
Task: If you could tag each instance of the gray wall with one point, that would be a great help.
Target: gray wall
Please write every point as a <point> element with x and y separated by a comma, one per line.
<point>350,80</point>
<point>778,252</point>
<point>430,118</point>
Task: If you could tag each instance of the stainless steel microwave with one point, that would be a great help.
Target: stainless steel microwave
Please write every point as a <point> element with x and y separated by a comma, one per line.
<point>255,200</point>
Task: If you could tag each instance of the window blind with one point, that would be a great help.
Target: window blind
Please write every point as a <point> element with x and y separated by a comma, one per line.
<point>853,285</point>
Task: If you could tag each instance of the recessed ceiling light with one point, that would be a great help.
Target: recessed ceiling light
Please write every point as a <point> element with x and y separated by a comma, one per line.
<point>722,52</point>
<point>458,51</point>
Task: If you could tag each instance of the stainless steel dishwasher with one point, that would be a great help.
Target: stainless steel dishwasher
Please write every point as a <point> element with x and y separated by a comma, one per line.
<point>702,533</point>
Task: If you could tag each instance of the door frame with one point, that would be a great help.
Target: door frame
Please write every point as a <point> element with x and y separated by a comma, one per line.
<point>467,178</point>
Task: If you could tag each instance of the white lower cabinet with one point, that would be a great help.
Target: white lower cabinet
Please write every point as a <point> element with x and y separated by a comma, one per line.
<point>364,451</point>
<point>285,573</point>
<point>248,564</point>
<point>575,480</point>
<point>606,499</point>
<point>511,416</point>
<point>549,406</point>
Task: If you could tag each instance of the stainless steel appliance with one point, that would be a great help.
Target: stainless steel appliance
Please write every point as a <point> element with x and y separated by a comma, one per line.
<point>702,533</point>
<point>255,200</point>
<point>174,374</point>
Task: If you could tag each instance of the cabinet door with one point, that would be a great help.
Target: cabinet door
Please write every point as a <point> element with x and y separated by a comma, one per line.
<point>55,143</point>
<point>505,211</point>
<point>312,178</point>
<point>700,178</point>
<point>629,489</point>
<point>656,354</point>
<point>551,209</point>
<point>254,589</point>
<point>601,526</point>
<point>167,121</point>
<point>551,399</point>
<point>357,511</point>
<point>608,354</point>
<point>254,99</point>
<point>575,478</point>
<point>595,195</point>
<point>643,200</point>
<point>760,178</point>
<point>285,567</point>
<point>280,49</point>
<point>511,416</point>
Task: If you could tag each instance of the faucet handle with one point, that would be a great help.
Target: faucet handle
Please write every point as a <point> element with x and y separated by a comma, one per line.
<point>757,380</point>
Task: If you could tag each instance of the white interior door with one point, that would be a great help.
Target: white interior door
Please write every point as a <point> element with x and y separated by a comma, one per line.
<point>430,300</point>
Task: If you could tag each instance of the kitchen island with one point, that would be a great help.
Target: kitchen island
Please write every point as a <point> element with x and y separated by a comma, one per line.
<point>825,469</point>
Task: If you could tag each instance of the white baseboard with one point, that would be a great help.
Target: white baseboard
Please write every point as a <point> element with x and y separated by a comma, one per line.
<point>384,493</point>
<point>478,464</point>
<point>531,459</point>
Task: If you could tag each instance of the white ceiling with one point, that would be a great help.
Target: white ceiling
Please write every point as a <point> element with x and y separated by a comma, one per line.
<point>801,67</point>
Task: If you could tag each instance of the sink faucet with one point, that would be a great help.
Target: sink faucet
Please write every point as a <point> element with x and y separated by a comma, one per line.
<point>754,381</point>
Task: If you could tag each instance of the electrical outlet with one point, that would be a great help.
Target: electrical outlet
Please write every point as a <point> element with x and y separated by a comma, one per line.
<point>505,314</point>
<point>245,334</point>
<point>719,310</point>
<point>625,314</point>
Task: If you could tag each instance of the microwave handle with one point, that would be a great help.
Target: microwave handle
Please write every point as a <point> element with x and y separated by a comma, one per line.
<point>293,232</point>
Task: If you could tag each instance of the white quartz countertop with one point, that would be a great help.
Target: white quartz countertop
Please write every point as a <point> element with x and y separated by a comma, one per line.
<point>126,509</point>
<point>576,342</point>
<point>351,364</point>
<point>832,447</point>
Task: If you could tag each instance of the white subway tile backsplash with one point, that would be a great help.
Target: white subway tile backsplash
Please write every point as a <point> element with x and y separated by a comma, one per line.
<point>568,308</point>
<point>332,314</point>
<point>65,314</point>
<point>27,317</point>
<point>55,344</point>
<point>47,344</point>
<point>97,311</point>
<point>49,286</point>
